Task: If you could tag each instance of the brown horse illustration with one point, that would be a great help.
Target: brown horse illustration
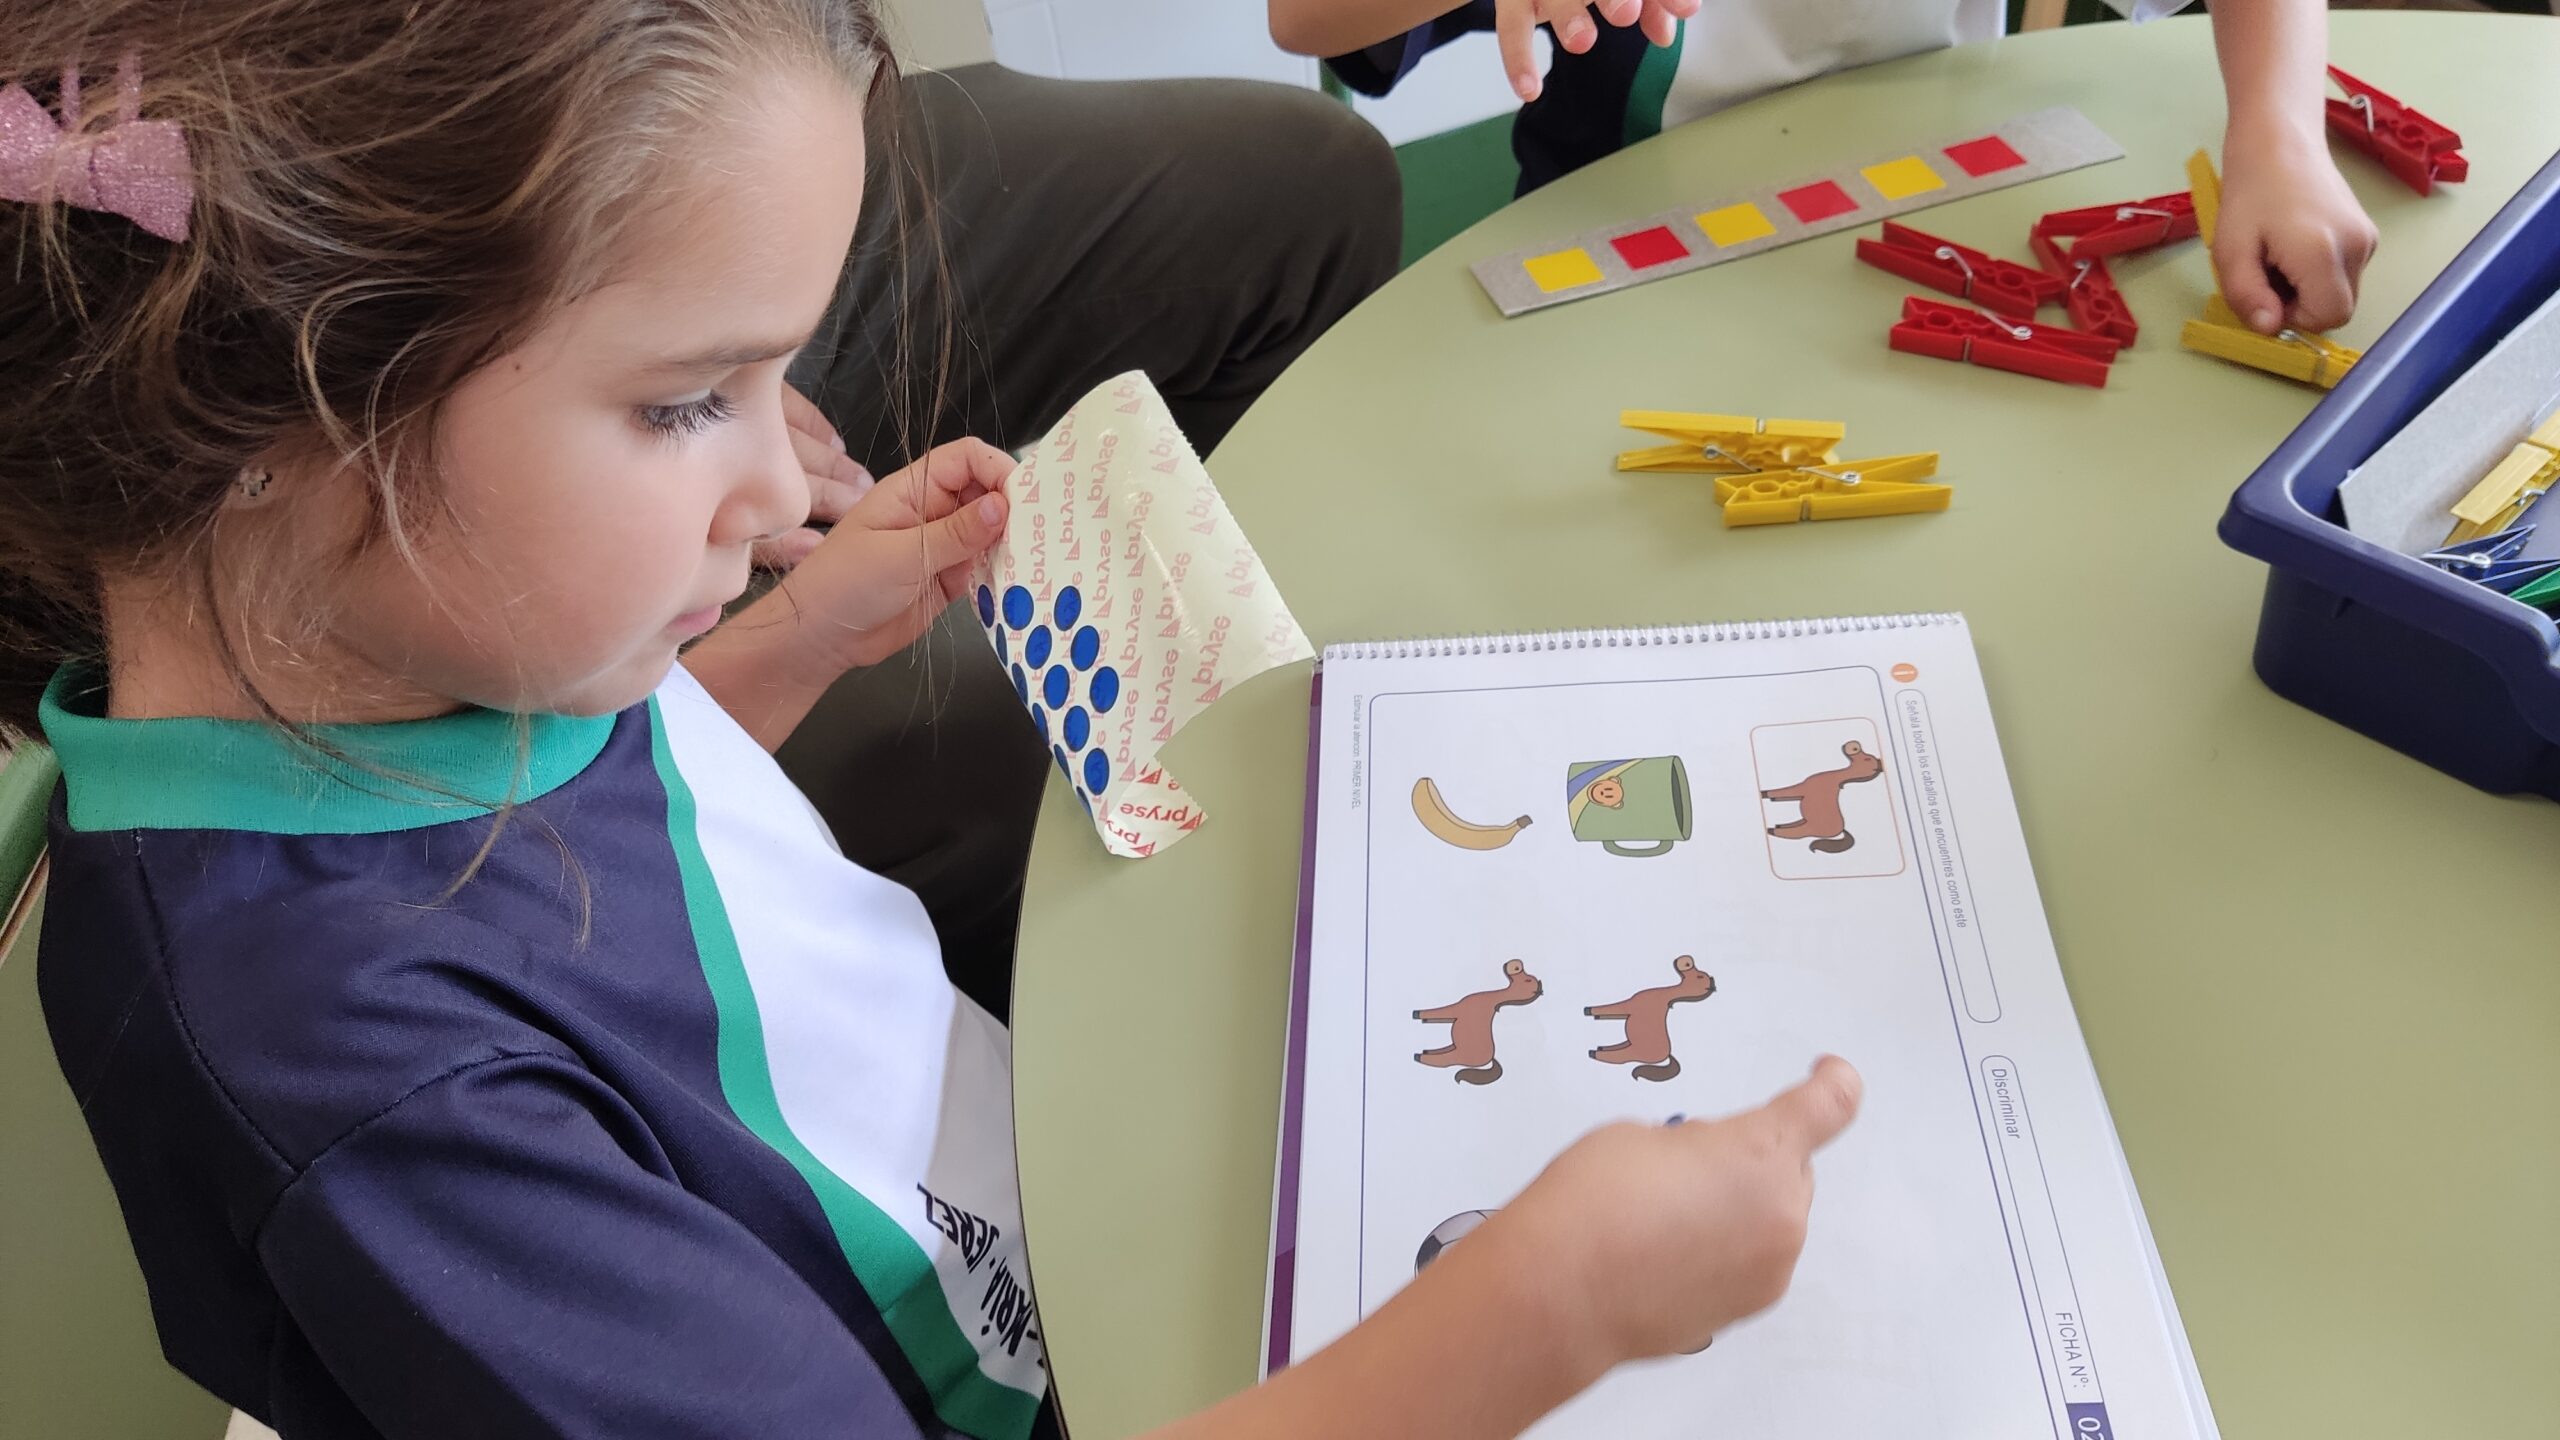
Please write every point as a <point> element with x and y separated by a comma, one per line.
<point>1470,1022</point>
<point>1819,794</point>
<point>1648,1017</point>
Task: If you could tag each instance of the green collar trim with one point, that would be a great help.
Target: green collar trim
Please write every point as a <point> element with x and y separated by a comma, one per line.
<point>200,774</point>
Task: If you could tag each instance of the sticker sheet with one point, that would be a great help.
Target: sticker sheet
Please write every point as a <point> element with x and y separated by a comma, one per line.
<point>1693,237</point>
<point>1123,600</point>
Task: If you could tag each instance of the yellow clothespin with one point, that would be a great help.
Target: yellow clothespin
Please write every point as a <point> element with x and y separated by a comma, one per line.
<point>2294,354</point>
<point>2204,188</point>
<point>1844,490</point>
<point>2527,474</point>
<point>1728,444</point>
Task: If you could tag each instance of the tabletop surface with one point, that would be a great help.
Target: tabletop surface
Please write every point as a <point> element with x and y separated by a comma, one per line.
<point>2315,975</point>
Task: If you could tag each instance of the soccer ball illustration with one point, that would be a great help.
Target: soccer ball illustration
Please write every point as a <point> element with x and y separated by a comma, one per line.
<point>1447,1233</point>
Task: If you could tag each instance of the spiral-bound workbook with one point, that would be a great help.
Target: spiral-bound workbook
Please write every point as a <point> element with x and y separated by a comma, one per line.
<point>1558,880</point>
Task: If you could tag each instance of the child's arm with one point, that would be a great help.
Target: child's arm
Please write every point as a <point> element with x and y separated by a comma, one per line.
<point>1638,1241</point>
<point>1338,27</point>
<point>504,1252</point>
<point>897,559</point>
<point>2291,242</point>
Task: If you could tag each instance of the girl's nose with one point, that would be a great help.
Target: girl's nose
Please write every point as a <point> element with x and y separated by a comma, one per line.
<point>770,494</point>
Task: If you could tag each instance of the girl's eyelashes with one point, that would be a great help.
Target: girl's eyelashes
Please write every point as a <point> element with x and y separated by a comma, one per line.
<point>689,417</point>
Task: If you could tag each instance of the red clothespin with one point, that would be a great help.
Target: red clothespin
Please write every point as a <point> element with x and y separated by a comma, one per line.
<point>1924,259</point>
<point>2097,231</point>
<point>2089,293</point>
<point>2409,145</point>
<point>2048,352</point>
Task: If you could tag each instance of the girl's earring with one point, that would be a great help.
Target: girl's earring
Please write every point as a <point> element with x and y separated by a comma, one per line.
<point>255,487</point>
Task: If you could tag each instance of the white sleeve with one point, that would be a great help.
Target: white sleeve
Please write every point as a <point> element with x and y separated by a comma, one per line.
<point>2141,11</point>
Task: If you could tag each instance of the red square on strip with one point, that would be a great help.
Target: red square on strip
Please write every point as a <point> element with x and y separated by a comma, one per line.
<point>1649,247</point>
<point>1983,156</point>
<point>1818,201</point>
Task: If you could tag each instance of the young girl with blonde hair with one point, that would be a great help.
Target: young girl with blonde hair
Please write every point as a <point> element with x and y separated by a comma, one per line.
<point>482,1036</point>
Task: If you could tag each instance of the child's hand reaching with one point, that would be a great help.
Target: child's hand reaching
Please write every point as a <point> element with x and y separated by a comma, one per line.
<point>1664,1235</point>
<point>2290,242</point>
<point>1640,1240</point>
<point>1516,23</point>
<point>900,551</point>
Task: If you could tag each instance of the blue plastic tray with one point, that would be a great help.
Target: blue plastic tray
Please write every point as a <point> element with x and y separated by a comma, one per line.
<point>2463,679</point>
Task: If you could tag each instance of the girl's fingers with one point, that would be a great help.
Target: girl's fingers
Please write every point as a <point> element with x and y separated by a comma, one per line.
<point>802,414</point>
<point>2239,259</point>
<point>1515,23</point>
<point>835,481</point>
<point>2324,297</point>
<point>948,477</point>
<point>956,540</point>
<point>1819,1107</point>
<point>1572,25</point>
<point>784,552</point>
<point>2326,266</point>
<point>1662,19</point>
<point>961,471</point>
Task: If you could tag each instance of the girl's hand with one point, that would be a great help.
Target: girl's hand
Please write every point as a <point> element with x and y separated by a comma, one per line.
<point>1516,22</point>
<point>836,481</point>
<point>1662,1235</point>
<point>2290,243</point>
<point>899,554</point>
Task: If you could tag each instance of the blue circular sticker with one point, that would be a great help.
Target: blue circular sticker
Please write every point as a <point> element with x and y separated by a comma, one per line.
<point>1039,657</point>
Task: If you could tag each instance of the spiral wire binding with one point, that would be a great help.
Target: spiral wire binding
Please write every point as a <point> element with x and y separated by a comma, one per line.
<point>1629,638</point>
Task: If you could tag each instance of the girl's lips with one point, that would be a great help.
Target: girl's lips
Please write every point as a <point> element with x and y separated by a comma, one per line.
<point>696,622</point>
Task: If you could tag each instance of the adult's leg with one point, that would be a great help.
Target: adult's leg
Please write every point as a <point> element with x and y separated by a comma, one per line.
<point>1204,231</point>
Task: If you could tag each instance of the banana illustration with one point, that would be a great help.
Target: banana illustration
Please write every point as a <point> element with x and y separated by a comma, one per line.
<point>1434,814</point>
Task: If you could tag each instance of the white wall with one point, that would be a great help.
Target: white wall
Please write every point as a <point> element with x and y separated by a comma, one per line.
<point>940,34</point>
<point>1460,84</point>
<point>1135,39</point>
<point>1139,39</point>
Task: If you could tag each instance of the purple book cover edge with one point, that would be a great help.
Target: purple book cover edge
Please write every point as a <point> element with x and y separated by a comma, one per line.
<point>1284,1225</point>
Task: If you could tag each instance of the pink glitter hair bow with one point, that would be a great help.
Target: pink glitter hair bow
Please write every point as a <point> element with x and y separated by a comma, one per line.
<point>135,168</point>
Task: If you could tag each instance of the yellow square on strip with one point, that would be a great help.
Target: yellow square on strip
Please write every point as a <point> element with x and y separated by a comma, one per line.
<point>1563,269</point>
<point>1901,179</point>
<point>1736,223</point>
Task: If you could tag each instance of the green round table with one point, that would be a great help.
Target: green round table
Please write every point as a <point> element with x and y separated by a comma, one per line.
<point>2319,979</point>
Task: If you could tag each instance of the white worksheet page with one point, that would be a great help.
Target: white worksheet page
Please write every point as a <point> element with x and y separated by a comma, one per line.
<point>1738,853</point>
